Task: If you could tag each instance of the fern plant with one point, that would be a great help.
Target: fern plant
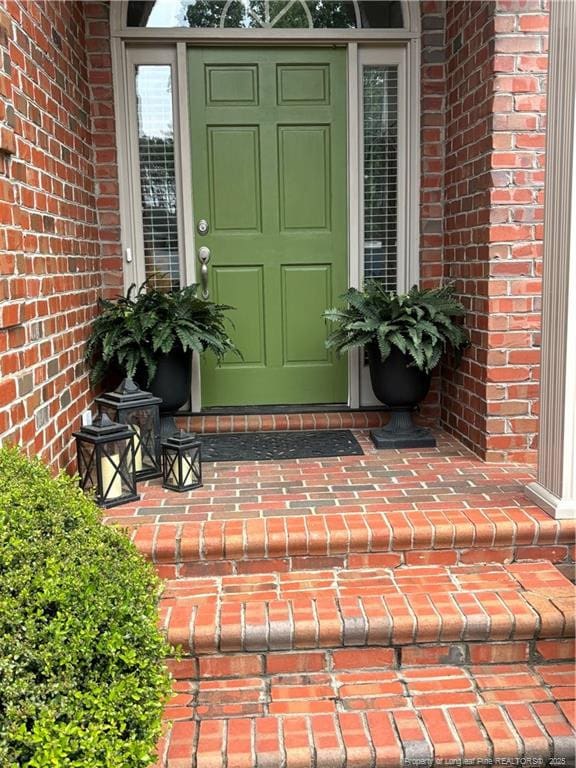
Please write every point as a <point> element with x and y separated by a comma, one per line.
<point>135,329</point>
<point>420,323</point>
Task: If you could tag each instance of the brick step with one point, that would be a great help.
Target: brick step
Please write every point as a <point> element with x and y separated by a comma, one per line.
<point>391,608</point>
<point>156,506</point>
<point>349,659</point>
<point>272,422</point>
<point>426,716</point>
<point>391,539</point>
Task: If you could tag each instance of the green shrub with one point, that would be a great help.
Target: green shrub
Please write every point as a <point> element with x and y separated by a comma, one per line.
<point>81,676</point>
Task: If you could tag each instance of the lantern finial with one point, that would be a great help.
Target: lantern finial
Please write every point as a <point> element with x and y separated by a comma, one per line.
<point>128,387</point>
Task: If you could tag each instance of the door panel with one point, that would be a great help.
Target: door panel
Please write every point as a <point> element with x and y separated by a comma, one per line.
<point>305,332</point>
<point>234,153</point>
<point>231,85</point>
<point>304,176</point>
<point>269,175</point>
<point>244,286</point>
<point>301,84</point>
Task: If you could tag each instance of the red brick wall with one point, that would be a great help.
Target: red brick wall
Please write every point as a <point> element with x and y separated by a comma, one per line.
<point>432,137</point>
<point>105,154</point>
<point>482,84</point>
<point>50,268</point>
<point>496,68</point>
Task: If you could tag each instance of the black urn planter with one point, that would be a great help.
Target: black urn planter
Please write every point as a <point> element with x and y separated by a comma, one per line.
<point>402,388</point>
<point>172,382</point>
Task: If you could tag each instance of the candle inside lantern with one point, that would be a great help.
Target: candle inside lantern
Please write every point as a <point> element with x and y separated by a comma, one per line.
<point>111,480</point>
<point>138,451</point>
<point>173,476</point>
<point>186,470</point>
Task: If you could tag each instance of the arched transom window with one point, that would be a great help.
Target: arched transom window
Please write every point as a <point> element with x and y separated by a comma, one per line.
<point>266,14</point>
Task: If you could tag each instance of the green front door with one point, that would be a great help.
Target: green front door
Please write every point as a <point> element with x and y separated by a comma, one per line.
<point>269,177</point>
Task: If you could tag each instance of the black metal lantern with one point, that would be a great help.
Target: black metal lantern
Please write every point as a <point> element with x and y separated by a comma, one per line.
<point>182,462</point>
<point>140,411</point>
<point>105,452</point>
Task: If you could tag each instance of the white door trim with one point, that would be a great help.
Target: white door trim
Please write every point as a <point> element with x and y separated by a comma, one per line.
<point>408,268</point>
<point>403,49</point>
<point>354,188</point>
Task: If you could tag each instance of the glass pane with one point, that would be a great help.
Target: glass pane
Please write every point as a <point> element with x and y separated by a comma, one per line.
<point>157,174</point>
<point>334,15</point>
<point>380,87</point>
<point>258,14</point>
<point>379,15</point>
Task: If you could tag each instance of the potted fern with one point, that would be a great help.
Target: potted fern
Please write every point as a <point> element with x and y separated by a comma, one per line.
<point>150,335</point>
<point>405,336</point>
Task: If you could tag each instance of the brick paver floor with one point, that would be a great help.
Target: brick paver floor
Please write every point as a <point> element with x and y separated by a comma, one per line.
<point>446,478</point>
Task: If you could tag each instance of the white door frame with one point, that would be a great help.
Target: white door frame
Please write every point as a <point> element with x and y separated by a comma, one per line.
<point>133,46</point>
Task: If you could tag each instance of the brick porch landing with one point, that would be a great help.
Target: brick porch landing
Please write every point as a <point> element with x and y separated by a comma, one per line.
<point>392,609</point>
<point>384,509</point>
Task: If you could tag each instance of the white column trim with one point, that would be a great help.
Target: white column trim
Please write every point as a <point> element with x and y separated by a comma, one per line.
<point>558,508</point>
<point>555,487</point>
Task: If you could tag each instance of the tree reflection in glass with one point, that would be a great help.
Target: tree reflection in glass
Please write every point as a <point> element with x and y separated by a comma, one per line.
<point>266,14</point>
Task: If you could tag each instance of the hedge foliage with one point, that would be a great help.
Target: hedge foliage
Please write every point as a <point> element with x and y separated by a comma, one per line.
<point>82,682</point>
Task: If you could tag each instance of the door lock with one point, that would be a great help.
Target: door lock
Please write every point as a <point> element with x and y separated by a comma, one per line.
<point>202,227</point>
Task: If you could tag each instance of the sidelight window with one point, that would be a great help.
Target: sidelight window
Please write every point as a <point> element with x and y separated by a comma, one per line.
<point>157,174</point>
<point>380,164</point>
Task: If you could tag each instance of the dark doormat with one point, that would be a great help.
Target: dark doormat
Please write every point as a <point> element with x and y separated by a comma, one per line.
<point>278,446</point>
